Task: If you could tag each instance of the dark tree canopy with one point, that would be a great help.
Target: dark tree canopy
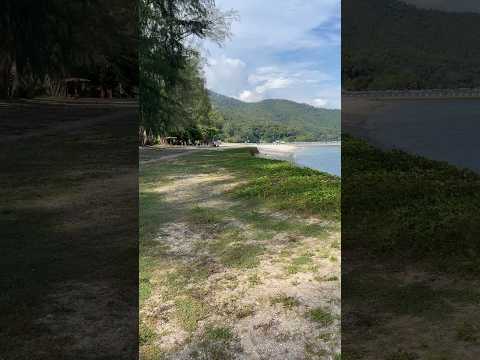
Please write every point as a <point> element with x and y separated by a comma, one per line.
<point>54,39</point>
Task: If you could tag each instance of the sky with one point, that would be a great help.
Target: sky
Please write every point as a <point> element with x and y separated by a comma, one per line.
<point>282,49</point>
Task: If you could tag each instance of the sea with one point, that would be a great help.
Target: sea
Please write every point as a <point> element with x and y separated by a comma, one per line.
<point>445,130</point>
<point>325,158</point>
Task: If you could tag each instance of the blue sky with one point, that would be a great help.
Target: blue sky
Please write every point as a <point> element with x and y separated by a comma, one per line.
<point>287,49</point>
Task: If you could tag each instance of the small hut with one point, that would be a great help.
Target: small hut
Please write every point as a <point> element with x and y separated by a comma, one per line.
<point>75,87</point>
<point>171,140</point>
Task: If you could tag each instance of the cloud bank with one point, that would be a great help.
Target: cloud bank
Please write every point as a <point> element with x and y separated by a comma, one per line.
<point>286,49</point>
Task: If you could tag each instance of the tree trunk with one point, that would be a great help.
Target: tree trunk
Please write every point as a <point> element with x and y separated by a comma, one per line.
<point>5,68</point>
<point>54,87</point>
<point>142,136</point>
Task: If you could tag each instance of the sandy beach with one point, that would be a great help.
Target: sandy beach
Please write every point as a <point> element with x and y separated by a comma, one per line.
<point>268,151</point>
<point>279,151</point>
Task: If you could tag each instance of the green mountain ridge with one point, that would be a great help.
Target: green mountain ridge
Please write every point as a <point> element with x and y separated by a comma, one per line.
<point>389,44</point>
<point>275,119</point>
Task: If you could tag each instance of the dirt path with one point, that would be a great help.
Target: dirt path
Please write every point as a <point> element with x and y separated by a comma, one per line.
<point>44,119</point>
<point>69,232</point>
<point>223,279</point>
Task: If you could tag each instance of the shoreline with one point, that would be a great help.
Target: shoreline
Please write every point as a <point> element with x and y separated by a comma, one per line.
<point>281,152</point>
<point>286,151</point>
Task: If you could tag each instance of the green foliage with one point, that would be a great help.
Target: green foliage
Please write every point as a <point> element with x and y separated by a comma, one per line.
<point>388,44</point>
<point>286,186</point>
<point>55,39</point>
<point>402,205</point>
<point>272,120</point>
<point>173,100</point>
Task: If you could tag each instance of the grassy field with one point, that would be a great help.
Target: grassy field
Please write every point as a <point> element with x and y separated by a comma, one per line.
<point>411,207</point>
<point>410,245</point>
<point>239,258</point>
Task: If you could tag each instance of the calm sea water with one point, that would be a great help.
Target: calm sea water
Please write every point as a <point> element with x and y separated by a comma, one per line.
<point>326,158</point>
<point>445,130</point>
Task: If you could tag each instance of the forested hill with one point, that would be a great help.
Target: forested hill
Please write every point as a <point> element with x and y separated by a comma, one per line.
<point>271,120</point>
<point>389,44</point>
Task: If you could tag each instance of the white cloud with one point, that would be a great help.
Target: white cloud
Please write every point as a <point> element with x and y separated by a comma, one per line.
<point>321,103</point>
<point>225,75</point>
<point>328,97</point>
<point>280,49</point>
<point>250,96</point>
<point>260,91</point>
<point>270,84</point>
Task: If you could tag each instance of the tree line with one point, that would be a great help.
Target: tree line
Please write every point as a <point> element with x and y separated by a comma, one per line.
<point>46,41</point>
<point>388,44</point>
<point>174,101</point>
<point>275,120</point>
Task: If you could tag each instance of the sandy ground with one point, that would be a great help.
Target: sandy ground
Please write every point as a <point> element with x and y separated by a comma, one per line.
<point>265,306</point>
<point>69,229</point>
<point>269,151</point>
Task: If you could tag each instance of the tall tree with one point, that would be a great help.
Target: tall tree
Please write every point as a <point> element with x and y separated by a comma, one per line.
<point>60,38</point>
<point>169,68</point>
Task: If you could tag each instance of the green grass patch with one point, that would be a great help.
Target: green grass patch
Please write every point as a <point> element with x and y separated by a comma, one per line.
<point>321,316</point>
<point>205,216</point>
<point>300,264</point>
<point>335,244</point>
<point>232,252</point>
<point>278,184</point>
<point>331,278</point>
<point>468,332</point>
<point>267,225</point>
<point>219,333</point>
<point>146,265</point>
<point>182,280</point>
<point>288,302</point>
<point>303,260</point>
<point>409,207</point>
<point>146,334</point>
<point>145,289</point>
<point>216,343</point>
<point>382,294</point>
<point>188,312</point>
<point>244,256</point>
